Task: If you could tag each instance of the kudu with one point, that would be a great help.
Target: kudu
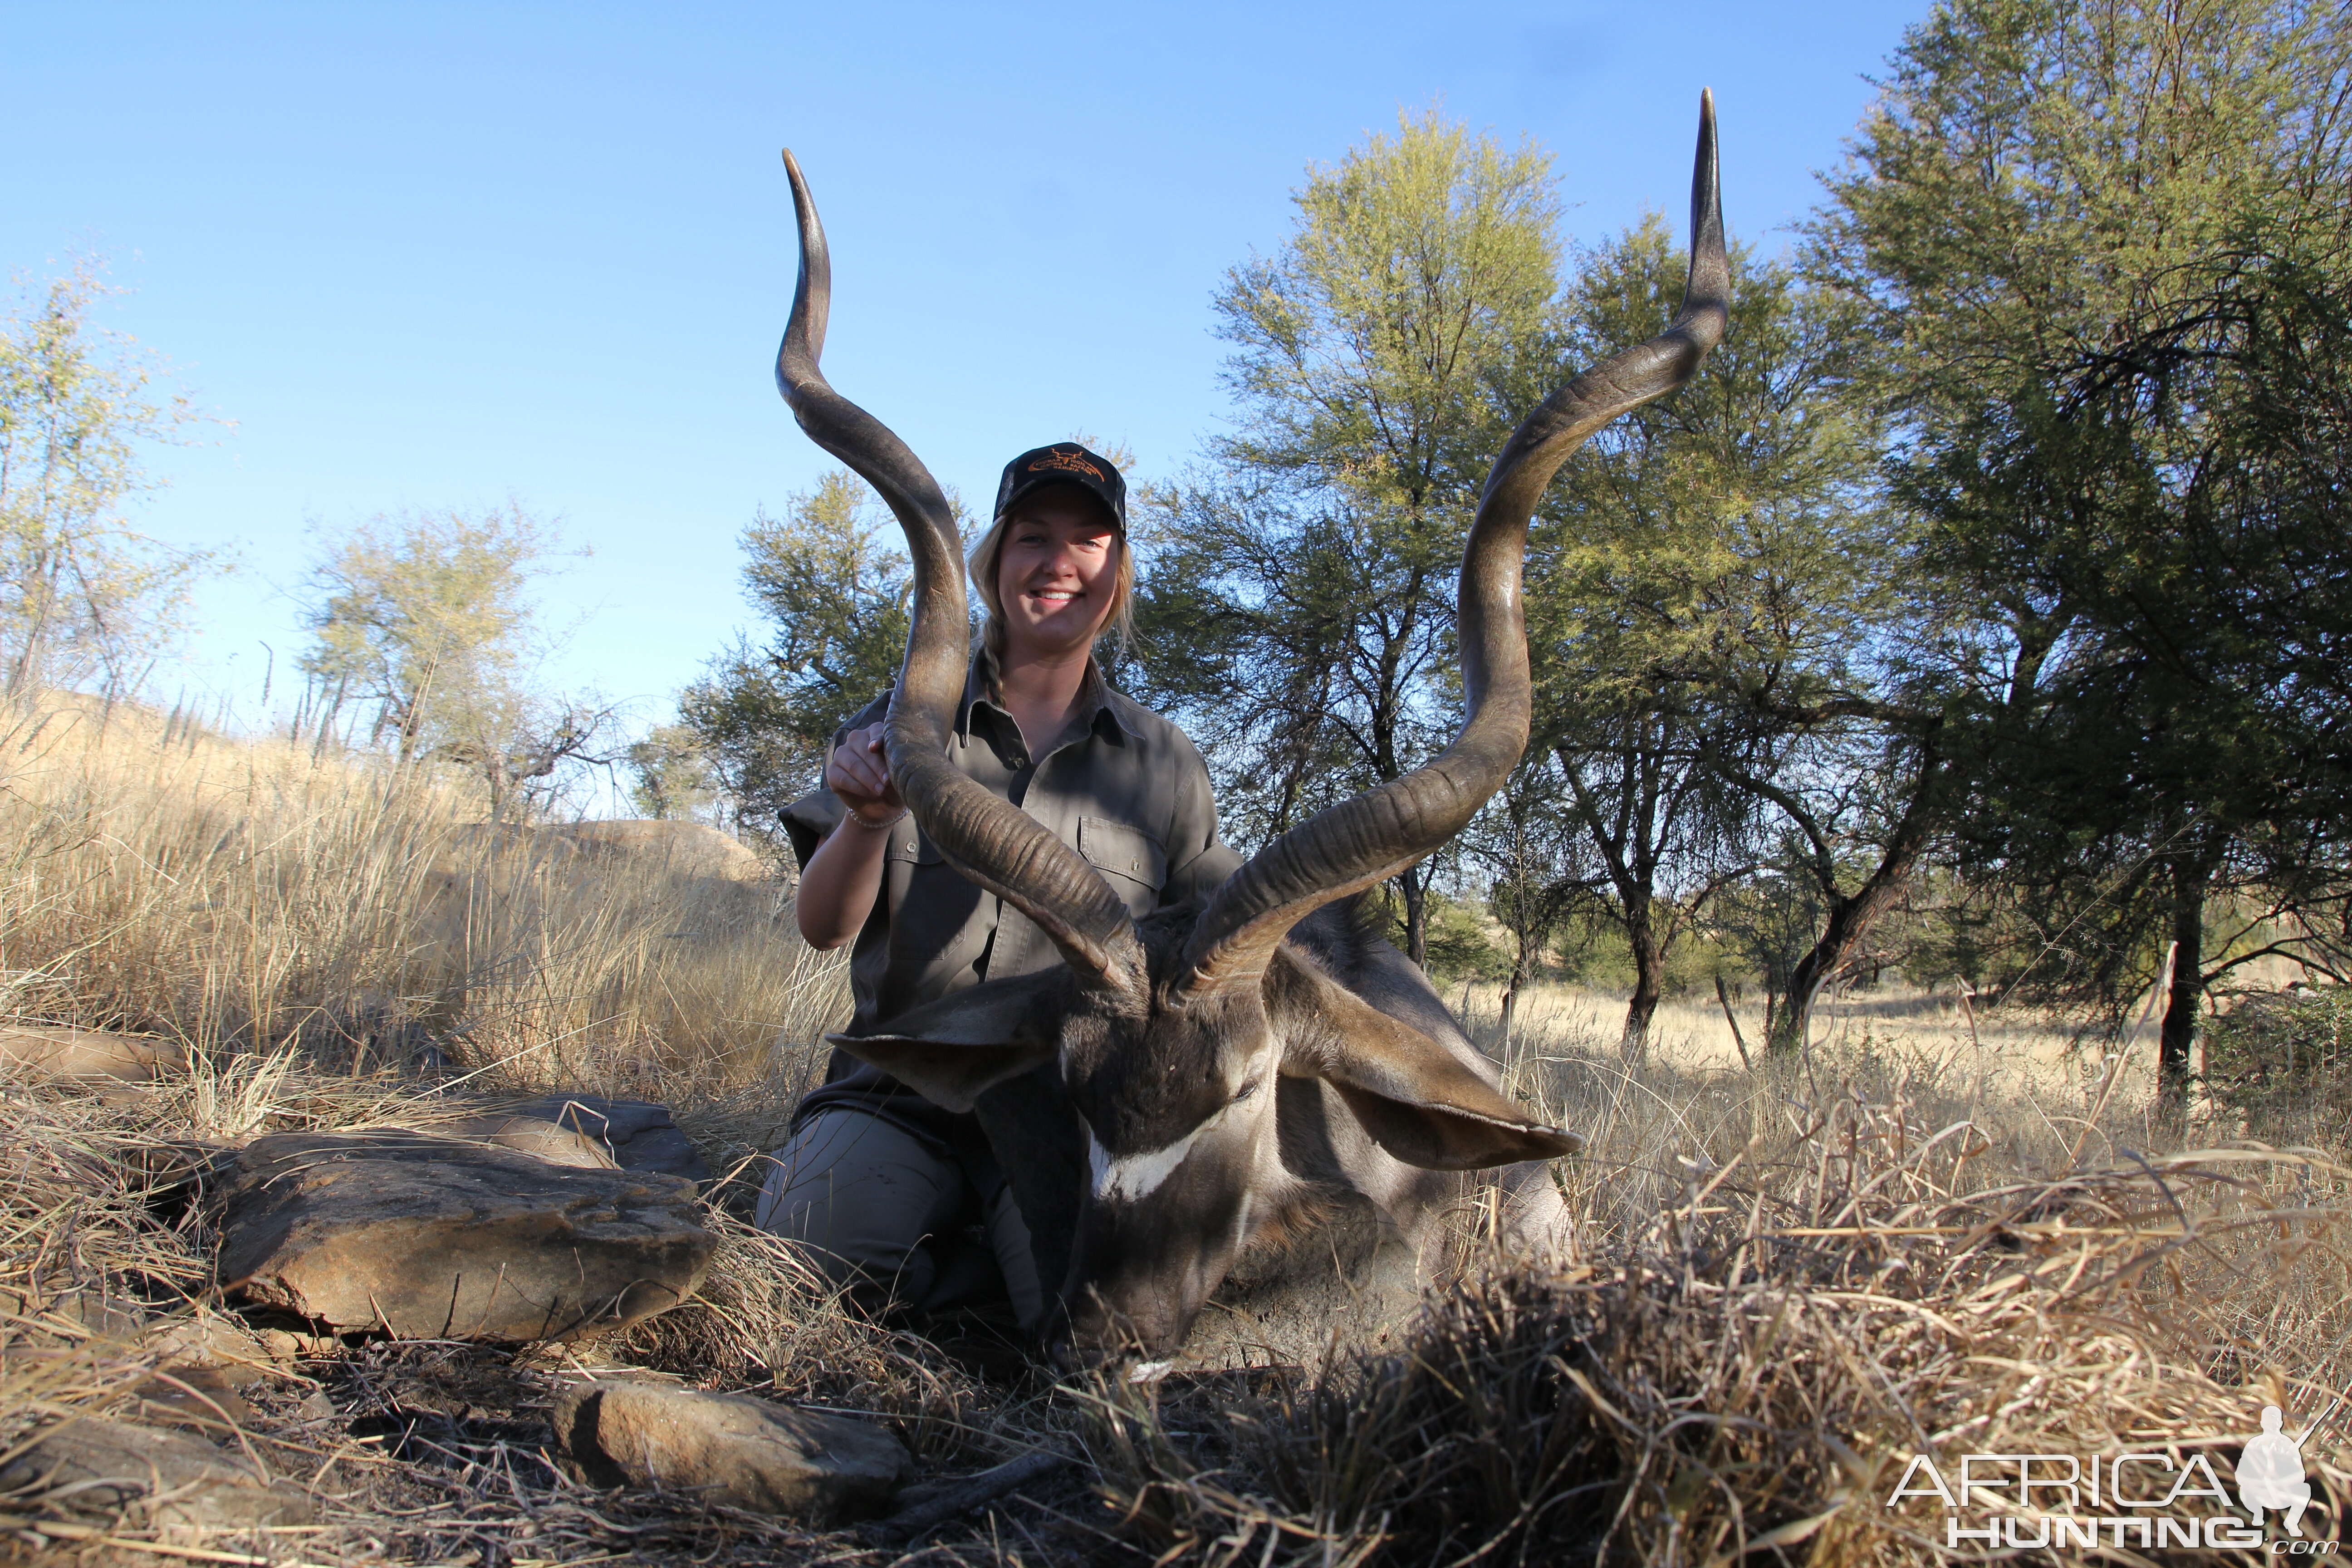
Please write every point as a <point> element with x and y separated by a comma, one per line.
<point>1220,1074</point>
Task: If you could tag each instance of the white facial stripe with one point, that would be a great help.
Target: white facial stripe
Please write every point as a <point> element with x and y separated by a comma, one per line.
<point>1134,1176</point>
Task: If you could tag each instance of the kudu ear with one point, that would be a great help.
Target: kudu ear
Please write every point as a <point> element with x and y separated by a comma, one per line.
<point>955,1049</point>
<point>1418,1101</point>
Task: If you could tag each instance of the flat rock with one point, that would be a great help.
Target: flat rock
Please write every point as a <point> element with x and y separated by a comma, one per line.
<point>637,1133</point>
<point>435,1238</point>
<point>731,1448</point>
<point>92,1054</point>
<point>526,1133</point>
<point>159,1480</point>
<point>580,1130</point>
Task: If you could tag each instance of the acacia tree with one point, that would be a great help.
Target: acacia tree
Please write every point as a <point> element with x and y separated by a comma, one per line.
<point>1706,577</point>
<point>428,619</point>
<point>1300,595</point>
<point>671,777</point>
<point>81,593</point>
<point>2062,222</point>
<point>833,587</point>
<point>2182,778</point>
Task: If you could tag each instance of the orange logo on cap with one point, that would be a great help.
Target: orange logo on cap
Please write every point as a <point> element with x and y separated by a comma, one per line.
<point>1067,461</point>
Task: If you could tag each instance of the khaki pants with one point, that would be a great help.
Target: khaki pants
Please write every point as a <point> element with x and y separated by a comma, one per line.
<point>886,1216</point>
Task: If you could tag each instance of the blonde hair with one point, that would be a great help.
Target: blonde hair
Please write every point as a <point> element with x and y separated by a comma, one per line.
<point>987,556</point>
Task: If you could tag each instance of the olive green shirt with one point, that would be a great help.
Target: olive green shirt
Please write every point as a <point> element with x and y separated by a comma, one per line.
<point>1122,786</point>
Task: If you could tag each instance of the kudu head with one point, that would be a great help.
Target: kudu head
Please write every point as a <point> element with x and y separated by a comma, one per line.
<point>1173,1034</point>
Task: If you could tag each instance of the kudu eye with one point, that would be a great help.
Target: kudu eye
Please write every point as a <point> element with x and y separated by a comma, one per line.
<point>1246,1091</point>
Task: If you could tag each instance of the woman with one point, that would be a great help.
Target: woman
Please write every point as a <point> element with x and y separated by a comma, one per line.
<point>882,1188</point>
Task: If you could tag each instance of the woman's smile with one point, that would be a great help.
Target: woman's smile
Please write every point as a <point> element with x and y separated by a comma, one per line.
<point>1060,548</point>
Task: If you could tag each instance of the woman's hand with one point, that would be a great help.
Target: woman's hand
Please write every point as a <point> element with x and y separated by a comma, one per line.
<point>859,773</point>
<point>839,883</point>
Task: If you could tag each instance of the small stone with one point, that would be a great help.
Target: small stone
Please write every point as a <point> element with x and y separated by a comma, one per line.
<point>161,1480</point>
<point>217,1342</point>
<point>288,1344</point>
<point>197,1396</point>
<point>436,1239</point>
<point>89,1053</point>
<point>731,1448</point>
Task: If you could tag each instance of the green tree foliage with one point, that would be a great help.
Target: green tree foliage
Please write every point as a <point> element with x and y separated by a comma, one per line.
<point>1706,587</point>
<point>82,595</point>
<point>427,620</point>
<point>833,585</point>
<point>1301,591</point>
<point>2101,247</point>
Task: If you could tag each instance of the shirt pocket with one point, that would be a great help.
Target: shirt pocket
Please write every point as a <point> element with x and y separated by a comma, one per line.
<point>1131,860</point>
<point>910,844</point>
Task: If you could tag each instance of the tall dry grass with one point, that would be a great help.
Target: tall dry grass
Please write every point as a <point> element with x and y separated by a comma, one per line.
<point>256,896</point>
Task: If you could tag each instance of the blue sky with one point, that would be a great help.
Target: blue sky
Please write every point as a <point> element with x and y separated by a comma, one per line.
<point>441,256</point>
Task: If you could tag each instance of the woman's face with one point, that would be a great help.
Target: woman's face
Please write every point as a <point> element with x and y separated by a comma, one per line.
<point>1057,571</point>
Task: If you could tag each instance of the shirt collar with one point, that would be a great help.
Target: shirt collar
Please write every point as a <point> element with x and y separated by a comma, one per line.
<point>1097,712</point>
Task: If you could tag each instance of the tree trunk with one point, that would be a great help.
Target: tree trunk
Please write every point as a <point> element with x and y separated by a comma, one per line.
<point>1416,916</point>
<point>1511,1005</point>
<point>2188,880</point>
<point>1849,921</point>
<point>1649,979</point>
<point>1851,917</point>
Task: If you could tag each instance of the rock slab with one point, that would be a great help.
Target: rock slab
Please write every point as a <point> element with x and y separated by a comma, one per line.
<point>159,1481</point>
<point>440,1239</point>
<point>89,1053</point>
<point>731,1448</point>
<point>581,1129</point>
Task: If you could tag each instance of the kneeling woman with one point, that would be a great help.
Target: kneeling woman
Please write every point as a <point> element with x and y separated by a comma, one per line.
<point>887,1193</point>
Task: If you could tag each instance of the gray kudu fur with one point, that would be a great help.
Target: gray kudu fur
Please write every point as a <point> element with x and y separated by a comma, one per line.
<point>1148,1047</point>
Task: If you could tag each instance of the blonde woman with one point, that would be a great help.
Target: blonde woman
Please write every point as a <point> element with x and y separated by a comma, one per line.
<point>891,1196</point>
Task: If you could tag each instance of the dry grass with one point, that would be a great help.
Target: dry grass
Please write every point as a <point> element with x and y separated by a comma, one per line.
<point>1922,1237</point>
<point>245,896</point>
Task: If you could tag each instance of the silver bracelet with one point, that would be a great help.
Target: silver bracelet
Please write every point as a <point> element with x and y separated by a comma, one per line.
<point>875,826</point>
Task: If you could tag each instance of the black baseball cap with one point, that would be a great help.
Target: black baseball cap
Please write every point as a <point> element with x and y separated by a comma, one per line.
<point>1063,463</point>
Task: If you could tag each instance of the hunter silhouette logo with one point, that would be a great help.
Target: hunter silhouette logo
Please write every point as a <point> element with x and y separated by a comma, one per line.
<point>1068,462</point>
<point>2270,1473</point>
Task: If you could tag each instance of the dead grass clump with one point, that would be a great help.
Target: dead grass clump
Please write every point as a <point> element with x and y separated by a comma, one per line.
<point>1756,1369</point>
<point>88,1252</point>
